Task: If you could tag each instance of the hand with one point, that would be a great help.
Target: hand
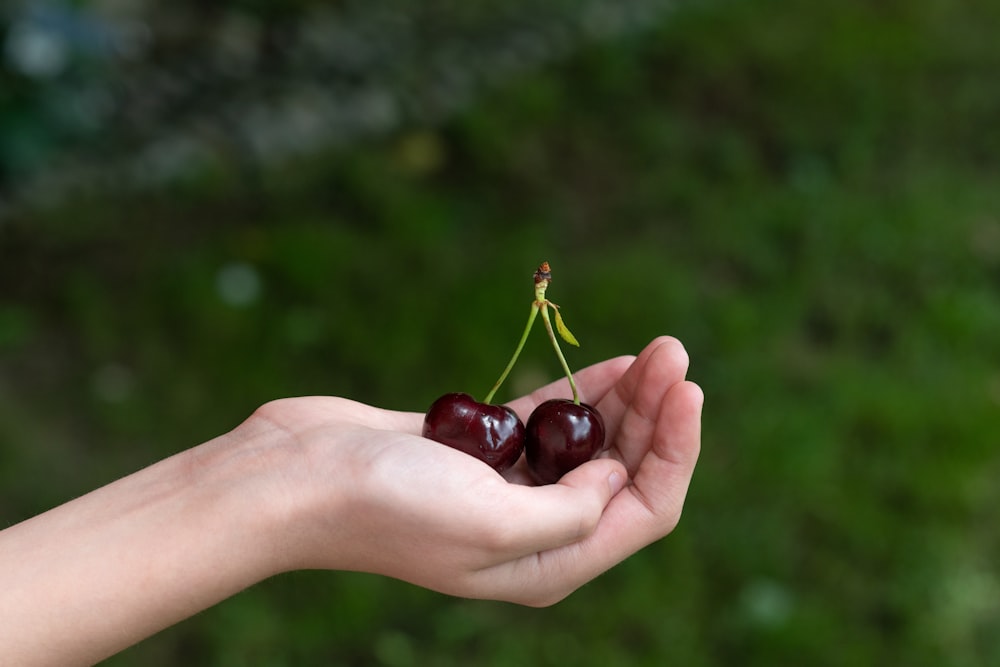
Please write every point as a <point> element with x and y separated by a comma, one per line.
<point>331,483</point>
<point>370,494</point>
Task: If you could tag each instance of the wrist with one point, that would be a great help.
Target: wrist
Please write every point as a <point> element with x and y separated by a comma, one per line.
<point>291,484</point>
<point>256,477</point>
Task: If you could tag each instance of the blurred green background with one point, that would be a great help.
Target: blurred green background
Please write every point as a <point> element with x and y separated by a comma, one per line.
<point>209,205</point>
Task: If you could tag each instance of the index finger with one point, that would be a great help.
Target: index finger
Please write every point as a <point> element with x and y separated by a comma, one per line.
<point>632,408</point>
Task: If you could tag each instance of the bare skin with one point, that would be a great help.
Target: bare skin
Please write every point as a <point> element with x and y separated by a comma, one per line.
<point>329,483</point>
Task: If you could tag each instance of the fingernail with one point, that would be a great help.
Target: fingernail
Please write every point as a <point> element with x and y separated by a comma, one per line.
<point>616,481</point>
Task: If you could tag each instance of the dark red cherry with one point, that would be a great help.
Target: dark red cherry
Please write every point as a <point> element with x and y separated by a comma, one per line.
<point>492,433</point>
<point>559,436</point>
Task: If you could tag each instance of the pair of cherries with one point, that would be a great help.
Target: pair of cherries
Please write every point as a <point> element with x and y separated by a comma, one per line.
<point>560,433</point>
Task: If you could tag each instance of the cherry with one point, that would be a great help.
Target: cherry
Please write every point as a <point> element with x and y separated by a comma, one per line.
<point>563,433</point>
<point>492,433</point>
<point>559,436</point>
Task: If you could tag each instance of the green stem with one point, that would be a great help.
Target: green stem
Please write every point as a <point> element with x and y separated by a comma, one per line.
<point>517,352</point>
<point>562,359</point>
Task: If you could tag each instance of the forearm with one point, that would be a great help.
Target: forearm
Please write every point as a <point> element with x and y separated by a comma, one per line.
<point>101,572</point>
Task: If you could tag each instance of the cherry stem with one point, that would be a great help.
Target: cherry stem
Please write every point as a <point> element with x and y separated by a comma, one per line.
<point>555,344</point>
<point>542,277</point>
<point>517,352</point>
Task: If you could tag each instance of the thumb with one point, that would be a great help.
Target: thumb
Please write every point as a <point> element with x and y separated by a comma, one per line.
<point>554,515</point>
<point>595,473</point>
<point>598,481</point>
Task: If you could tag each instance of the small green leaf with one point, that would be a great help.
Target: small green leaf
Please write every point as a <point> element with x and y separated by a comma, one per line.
<point>563,331</point>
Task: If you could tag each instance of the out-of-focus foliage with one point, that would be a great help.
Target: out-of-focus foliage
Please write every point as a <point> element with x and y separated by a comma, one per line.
<point>108,95</point>
<point>269,199</point>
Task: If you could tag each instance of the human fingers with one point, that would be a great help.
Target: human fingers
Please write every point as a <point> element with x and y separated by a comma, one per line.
<point>470,545</point>
<point>544,520</point>
<point>640,514</point>
<point>593,382</point>
<point>554,515</point>
<point>651,506</point>
<point>624,389</point>
<point>631,409</point>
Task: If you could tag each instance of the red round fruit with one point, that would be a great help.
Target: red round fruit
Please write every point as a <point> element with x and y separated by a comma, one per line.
<point>492,433</point>
<point>559,436</point>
